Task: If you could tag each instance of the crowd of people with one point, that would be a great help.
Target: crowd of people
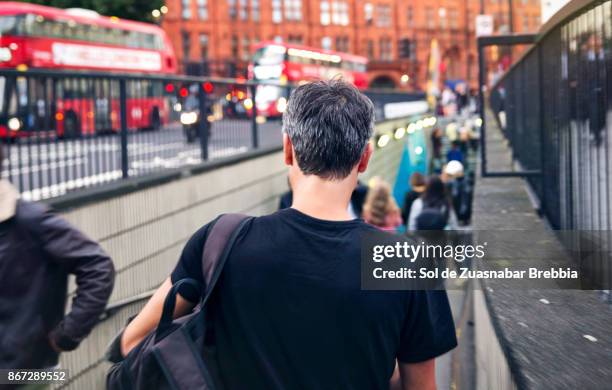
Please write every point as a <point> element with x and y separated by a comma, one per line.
<point>437,202</point>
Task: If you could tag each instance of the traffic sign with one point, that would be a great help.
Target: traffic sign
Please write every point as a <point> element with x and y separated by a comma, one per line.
<point>484,25</point>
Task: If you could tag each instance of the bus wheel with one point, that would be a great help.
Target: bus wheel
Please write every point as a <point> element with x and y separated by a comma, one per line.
<point>155,119</point>
<point>71,126</point>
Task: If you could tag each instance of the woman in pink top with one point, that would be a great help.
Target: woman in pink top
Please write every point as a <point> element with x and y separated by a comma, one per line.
<point>380,208</point>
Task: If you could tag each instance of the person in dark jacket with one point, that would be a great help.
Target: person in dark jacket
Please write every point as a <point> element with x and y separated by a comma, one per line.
<point>454,154</point>
<point>432,210</point>
<point>38,250</point>
<point>358,198</point>
<point>417,186</point>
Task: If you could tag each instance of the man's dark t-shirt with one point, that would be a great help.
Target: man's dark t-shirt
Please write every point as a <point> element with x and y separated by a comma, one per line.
<point>289,311</point>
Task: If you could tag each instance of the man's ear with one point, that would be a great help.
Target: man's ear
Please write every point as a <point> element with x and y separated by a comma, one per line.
<point>287,150</point>
<point>365,158</point>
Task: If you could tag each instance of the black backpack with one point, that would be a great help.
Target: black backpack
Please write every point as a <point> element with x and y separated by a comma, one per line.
<point>432,218</point>
<point>175,356</point>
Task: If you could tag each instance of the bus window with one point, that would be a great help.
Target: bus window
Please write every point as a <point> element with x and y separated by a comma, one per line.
<point>55,29</point>
<point>81,31</point>
<point>159,42</point>
<point>35,25</point>
<point>92,33</point>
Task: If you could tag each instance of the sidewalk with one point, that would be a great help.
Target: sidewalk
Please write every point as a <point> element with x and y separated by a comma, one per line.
<point>559,339</point>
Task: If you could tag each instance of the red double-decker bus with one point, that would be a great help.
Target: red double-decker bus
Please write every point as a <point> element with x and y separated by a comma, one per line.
<point>40,37</point>
<point>288,63</point>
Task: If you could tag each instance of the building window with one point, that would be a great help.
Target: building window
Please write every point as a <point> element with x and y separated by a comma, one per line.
<point>243,10</point>
<point>204,46</point>
<point>383,15</point>
<point>231,7</point>
<point>186,13</point>
<point>202,9</point>
<point>410,16</point>
<point>340,13</point>
<point>334,12</point>
<point>186,45</point>
<point>293,10</point>
<point>325,13</point>
<point>255,10</point>
<point>525,20</point>
<point>536,22</point>
<point>246,49</point>
<point>326,43</point>
<point>370,49</point>
<point>442,18</point>
<point>277,11</point>
<point>453,18</point>
<point>278,39</point>
<point>342,44</point>
<point>405,48</point>
<point>385,49</point>
<point>234,46</point>
<point>368,12</point>
<point>429,17</point>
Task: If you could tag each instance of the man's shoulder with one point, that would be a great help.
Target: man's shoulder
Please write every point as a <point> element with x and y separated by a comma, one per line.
<point>30,213</point>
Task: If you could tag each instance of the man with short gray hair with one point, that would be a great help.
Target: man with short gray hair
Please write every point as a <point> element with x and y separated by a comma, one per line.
<point>289,310</point>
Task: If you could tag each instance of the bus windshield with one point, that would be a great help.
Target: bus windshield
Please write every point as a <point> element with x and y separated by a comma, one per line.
<point>10,24</point>
<point>269,55</point>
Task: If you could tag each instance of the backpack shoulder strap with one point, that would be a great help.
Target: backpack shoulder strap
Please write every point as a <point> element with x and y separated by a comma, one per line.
<point>218,245</point>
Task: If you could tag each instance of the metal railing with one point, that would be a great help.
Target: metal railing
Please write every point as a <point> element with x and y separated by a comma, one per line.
<point>555,106</point>
<point>65,131</point>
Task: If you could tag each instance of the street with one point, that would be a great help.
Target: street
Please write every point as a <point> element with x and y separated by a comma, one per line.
<point>42,168</point>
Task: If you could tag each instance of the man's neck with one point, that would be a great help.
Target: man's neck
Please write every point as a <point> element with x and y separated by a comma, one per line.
<point>323,199</point>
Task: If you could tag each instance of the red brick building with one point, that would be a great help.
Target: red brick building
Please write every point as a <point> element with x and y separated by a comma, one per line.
<point>215,36</point>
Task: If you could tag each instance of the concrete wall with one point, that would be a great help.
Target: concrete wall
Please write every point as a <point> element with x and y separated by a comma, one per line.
<point>492,371</point>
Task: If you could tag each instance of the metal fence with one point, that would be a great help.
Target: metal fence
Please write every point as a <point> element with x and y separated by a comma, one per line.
<point>67,131</point>
<point>557,115</point>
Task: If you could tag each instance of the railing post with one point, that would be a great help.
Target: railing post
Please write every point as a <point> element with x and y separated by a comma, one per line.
<point>481,98</point>
<point>203,125</point>
<point>254,124</point>
<point>542,133</point>
<point>124,128</point>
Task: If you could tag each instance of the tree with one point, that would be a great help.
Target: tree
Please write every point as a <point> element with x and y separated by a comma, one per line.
<point>125,9</point>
